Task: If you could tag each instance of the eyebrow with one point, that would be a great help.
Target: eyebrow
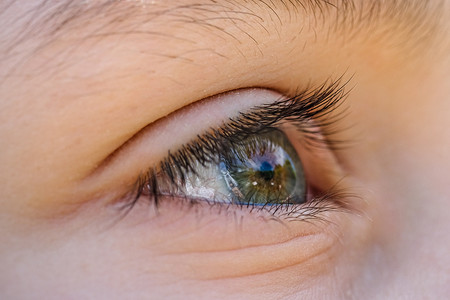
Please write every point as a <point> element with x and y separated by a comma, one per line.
<point>414,21</point>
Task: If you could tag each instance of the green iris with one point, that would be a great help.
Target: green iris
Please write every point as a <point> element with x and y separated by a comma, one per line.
<point>264,170</point>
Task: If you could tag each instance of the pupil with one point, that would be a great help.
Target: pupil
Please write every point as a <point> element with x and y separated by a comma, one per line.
<point>266,171</point>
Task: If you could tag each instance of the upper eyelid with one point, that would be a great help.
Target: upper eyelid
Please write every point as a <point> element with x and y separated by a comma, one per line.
<point>175,124</point>
<point>268,115</point>
<point>328,92</point>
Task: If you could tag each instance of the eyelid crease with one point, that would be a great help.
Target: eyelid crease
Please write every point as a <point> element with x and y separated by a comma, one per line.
<point>216,107</point>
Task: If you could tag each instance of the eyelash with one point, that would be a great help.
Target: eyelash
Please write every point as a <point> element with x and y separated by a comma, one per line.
<point>309,111</point>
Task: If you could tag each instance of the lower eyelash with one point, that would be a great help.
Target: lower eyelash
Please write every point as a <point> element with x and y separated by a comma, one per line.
<point>315,209</point>
<point>299,111</point>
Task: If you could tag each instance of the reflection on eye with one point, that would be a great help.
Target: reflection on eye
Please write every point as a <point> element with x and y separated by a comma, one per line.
<point>249,161</point>
<point>264,170</point>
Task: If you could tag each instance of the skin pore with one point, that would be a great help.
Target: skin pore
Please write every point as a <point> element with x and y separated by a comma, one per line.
<point>94,93</point>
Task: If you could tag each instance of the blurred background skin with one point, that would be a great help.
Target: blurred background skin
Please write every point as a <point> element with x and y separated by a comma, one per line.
<point>79,79</point>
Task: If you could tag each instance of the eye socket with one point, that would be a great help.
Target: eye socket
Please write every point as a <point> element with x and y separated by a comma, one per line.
<point>183,206</point>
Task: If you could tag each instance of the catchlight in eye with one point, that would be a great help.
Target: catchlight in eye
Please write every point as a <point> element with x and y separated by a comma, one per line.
<point>264,169</point>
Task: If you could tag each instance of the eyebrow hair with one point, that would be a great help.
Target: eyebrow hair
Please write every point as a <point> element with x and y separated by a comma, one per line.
<point>416,21</point>
<point>59,14</point>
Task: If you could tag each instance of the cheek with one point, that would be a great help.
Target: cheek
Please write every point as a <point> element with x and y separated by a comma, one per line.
<point>184,253</point>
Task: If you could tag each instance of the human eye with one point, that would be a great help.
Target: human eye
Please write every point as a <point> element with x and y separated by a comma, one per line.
<point>253,161</point>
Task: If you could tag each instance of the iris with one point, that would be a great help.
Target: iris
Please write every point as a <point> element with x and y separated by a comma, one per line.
<point>264,170</point>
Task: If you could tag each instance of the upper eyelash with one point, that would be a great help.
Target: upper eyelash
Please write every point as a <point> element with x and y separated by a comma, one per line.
<point>310,104</point>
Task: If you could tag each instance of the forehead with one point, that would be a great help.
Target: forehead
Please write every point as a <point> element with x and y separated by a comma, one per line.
<point>228,18</point>
<point>42,38</point>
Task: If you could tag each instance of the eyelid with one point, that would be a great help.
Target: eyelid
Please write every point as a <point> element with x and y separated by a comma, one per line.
<point>152,143</point>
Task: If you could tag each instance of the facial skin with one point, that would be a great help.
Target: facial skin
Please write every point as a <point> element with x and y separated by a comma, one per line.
<point>85,88</point>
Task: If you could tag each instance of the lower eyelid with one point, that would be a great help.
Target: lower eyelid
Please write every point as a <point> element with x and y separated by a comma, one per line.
<point>180,228</point>
<point>218,248</point>
<point>222,245</point>
<point>227,233</point>
<point>255,260</point>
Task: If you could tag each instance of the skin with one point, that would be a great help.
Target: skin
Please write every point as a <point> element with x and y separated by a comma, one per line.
<point>83,109</point>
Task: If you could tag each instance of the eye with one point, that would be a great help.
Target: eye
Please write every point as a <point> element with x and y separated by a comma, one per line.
<point>261,169</point>
<point>254,160</point>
